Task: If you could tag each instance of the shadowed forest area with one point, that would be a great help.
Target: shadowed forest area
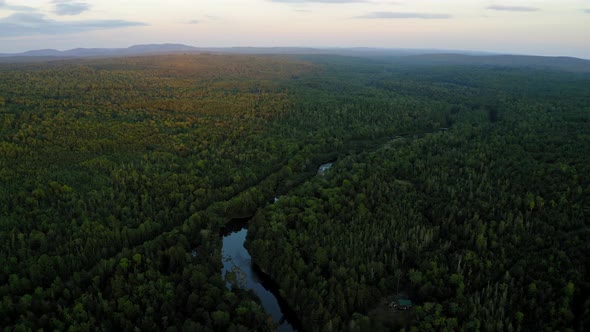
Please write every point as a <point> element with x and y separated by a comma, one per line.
<point>464,187</point>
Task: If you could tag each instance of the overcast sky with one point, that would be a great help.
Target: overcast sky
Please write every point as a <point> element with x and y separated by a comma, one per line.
<point>545,27</point>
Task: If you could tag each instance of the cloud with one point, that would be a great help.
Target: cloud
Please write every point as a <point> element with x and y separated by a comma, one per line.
<point>66,7</point>
<point>194,22</point>
<point>587,11</point>
<point>4,5</point>
<point>319,1</point>
<point>397,15</point>
<point>28,24</point>
<point>513,8</point>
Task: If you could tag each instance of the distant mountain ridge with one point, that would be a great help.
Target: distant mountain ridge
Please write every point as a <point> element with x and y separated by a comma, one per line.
<point>409,56</point>
<point>93,52</point>
<point>176,48</point>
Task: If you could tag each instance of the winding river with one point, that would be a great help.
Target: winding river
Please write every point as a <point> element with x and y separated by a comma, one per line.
<point>248,276</point>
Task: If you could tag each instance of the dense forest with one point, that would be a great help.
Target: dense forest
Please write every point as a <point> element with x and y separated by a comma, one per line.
<point>464,188</point>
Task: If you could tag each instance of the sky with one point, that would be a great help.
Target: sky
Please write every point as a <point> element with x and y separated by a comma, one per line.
<point>541,27</point>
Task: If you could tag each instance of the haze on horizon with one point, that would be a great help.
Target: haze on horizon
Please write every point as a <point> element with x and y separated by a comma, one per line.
<point>539,27</point>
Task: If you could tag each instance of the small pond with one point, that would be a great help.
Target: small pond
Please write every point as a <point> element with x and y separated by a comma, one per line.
<point>323,168</point>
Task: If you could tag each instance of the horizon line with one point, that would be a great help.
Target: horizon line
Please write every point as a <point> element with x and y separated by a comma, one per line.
<point>443,50</point>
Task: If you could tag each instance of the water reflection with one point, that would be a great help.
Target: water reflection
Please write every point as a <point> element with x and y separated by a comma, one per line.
<point>245,275</point>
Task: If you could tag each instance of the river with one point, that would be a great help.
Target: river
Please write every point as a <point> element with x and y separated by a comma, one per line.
<point>247,275</point>
<point>236,258</point>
